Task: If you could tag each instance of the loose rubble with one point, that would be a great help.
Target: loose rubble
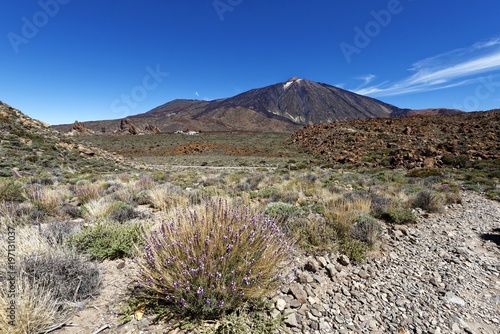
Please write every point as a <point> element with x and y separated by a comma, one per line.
<point>438,276</point>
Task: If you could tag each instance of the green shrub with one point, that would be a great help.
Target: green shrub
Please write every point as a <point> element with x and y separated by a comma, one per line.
<point>354,249</point>
<point>106,240</point>
<point>366,229</point>
<point>380,205</point>
<point>12,191</point>
<point>398,215</point>
<point>123,212</point>
<point>424,172</point>
<point>271,193</point>
<point>280,209</point>
<point>207,263</point>
<point>428,201</point>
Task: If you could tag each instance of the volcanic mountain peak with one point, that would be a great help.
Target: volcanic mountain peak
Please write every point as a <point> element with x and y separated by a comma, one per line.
<point>291,81</point>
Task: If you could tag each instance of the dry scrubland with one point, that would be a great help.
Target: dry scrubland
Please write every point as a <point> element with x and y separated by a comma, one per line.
<point>196,235</point>
<point>210,246</point>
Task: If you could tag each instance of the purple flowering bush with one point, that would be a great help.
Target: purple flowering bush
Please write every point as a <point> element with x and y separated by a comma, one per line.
<point>208,262</point>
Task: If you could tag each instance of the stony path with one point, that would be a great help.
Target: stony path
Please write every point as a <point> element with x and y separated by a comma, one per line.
<point>438,276</point>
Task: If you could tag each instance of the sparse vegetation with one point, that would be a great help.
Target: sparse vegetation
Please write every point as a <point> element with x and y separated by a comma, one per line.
<point>399,215</point>
<point>428,201</point>
<point>36,308</point>
<point>68,276</point>
<point>107,240</point>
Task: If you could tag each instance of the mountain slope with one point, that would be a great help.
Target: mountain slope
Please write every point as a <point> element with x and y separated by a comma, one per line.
<point>306,102</point>
<point>30,147</point>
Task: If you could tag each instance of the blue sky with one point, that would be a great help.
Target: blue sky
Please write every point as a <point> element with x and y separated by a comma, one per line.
<point>67,60</point>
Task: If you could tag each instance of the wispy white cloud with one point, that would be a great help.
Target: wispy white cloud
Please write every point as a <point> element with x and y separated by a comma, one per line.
<point>196,93</point>
<point>365,80</point>
<point>450,69</point>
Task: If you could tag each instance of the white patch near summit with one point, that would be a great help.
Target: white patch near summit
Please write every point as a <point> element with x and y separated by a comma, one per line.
<point>291,81</point>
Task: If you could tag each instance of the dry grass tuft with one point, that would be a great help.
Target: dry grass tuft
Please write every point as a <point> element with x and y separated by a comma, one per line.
<point>35,308</point>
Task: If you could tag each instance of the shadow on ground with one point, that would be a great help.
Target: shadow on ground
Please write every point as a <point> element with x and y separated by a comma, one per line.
<point>493,236</point>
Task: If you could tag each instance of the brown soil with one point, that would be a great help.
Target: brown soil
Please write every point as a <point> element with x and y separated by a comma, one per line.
<point>198,148</point>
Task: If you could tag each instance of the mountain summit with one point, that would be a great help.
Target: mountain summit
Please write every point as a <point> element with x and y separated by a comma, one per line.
<point>285,106</point>
<point>307,102</point>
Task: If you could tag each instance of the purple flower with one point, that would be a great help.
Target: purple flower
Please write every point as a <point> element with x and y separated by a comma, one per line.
<point>208,301</point>
<point>221,304</point>
<point>199,292</point>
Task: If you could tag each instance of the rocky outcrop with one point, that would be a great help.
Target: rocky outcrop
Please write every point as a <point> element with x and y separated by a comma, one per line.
<point>126,126</point>
<point>79,128</point>
<point>152,129</point>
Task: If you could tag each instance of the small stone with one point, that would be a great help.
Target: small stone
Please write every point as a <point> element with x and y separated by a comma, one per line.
<point>316,312</point>
<point>121,265</point>
<point>291,320</point>
<point>434,281</point>
<point>344,260</point>
<point>325,327</point>
<point>400,302</point>
<point>294,303</point>
<point>320,279</point>
<point>372,324</point>
<point>310,316</point>
<point>452,298</point>
<point>305,277</point>
<point>280,304</point>
<point>332,272</point>
<point>144,323</point>
<point>311,265</point>
<point>363,274</point>
<point>298,292</point>
<point>312,300</point>
<point>322,261</point>
<point>275,314</point>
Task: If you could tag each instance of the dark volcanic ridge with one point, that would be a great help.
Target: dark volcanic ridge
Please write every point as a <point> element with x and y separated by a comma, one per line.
<point>282,107</point>
<point>455,140</point>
